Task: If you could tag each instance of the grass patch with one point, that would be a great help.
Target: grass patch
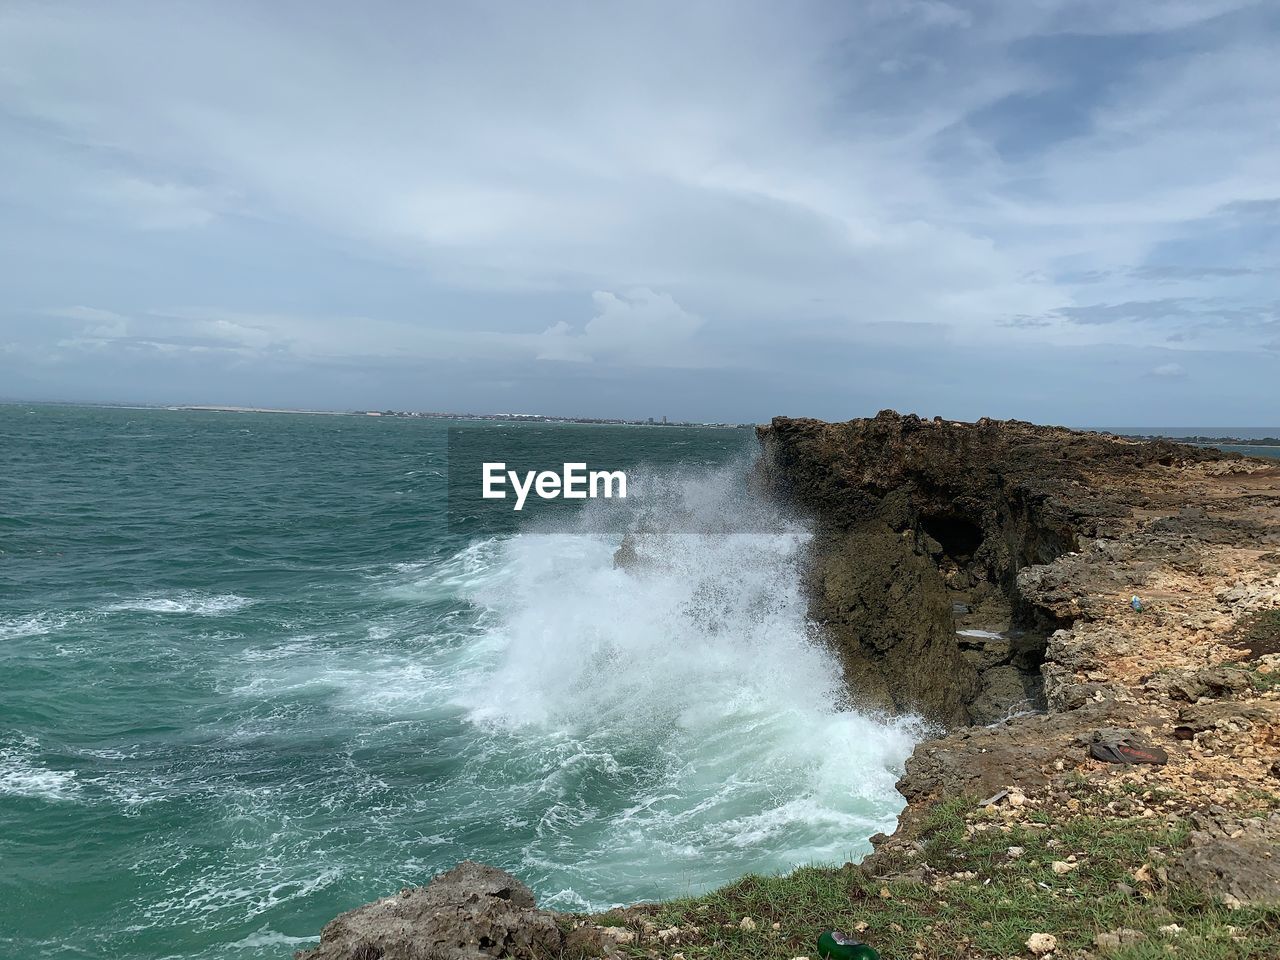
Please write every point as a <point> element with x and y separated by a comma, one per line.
<point>986,902</point>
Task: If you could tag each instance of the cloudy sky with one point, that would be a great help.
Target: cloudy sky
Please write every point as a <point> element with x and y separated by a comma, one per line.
<point>1064,211</point>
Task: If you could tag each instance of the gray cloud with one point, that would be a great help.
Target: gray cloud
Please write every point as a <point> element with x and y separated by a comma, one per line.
<point>1173,273</point>
<point>1133,311</point>
<point>551,192</point>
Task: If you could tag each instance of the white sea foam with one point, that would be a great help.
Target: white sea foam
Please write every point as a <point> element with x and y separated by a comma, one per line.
<point>290,649</point>
<point>267,937</point>
<point>184,602</point>
<point>22,775</point>
<point>32,625</point>
<point>700,657</point>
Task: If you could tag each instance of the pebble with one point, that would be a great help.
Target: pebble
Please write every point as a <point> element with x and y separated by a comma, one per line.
<point>1116,939</point>
<point>1042,943</point>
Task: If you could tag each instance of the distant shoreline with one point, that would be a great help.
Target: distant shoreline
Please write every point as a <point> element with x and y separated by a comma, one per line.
<point>393,414</point>
<point>502,417</point>
<point>600,421</point>
<point>1229,441</point>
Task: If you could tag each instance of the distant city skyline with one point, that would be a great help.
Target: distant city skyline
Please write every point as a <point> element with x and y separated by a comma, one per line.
<point>1066,211</point>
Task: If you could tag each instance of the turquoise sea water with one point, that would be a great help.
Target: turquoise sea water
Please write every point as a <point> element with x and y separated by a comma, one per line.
<point>250,677</point>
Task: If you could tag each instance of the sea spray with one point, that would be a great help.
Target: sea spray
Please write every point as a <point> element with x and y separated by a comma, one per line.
<point>687,717</point>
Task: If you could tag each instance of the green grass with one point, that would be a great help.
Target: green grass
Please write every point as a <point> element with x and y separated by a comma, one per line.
<point>1262,682</point>
<point>988,914</point>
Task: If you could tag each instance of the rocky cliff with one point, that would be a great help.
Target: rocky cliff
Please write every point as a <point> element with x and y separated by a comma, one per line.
<point>922,526</point>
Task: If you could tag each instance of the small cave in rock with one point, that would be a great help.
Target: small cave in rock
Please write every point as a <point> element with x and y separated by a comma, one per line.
<point>994,635</point>
<point>959,537</point>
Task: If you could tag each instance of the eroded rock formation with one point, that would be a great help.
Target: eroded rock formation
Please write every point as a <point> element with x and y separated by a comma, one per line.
<point>1194,534</point>
<point>923,526</point>
<point>472,912</point>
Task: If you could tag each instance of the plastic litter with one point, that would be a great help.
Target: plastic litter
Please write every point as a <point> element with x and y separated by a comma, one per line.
<point>834,945</point>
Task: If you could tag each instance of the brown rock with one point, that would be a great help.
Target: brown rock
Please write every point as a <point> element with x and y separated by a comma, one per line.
<point>1115,939</point>
<point>1235,861</point>
<point>469,913</point>
<point>916,518</point>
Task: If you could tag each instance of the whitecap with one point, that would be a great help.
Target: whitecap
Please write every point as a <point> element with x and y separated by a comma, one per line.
<point>22,775</point>
<point>33,625</point>
<point>185,602</point>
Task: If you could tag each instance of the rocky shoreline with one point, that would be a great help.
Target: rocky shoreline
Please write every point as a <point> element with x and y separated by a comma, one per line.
<point>1066,528</point>
<point>983,575</point>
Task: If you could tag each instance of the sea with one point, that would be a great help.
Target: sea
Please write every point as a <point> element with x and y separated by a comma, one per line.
<point>256,670</point>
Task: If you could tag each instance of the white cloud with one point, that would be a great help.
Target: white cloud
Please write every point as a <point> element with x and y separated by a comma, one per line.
<point>639,328</point>
<point>636,328</point>
<point>1169,371</point>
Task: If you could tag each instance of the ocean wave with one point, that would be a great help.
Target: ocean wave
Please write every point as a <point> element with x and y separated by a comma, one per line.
<point>641,728</point>
<point>22,775</point>
<point>33,625</point>
<point>608,732</point>
<point>184,602</point>
<point>687,686</point>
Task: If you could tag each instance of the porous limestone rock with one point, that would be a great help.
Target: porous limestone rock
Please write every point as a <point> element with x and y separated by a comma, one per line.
<point>917,518</point>
<point>1236,861</point>
<point>472,912</point>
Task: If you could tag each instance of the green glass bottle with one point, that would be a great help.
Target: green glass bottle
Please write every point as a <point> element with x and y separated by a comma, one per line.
<point>834,945</point>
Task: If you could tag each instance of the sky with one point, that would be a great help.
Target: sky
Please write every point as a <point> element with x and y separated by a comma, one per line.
<point>1049,210</point>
